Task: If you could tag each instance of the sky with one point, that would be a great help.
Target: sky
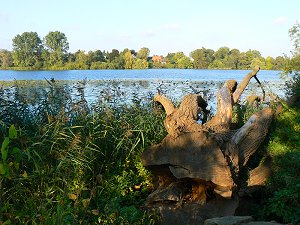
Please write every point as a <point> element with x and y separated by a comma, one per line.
<point>163,26</point>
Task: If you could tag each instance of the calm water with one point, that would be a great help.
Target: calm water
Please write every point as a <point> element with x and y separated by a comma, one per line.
<point>124,86</point>
<point>149,74</point>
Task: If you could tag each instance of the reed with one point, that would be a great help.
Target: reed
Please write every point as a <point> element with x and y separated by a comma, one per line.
<point>75,163</point>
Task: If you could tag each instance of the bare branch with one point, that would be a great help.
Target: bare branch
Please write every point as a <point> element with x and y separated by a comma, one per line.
<point>241,87</point>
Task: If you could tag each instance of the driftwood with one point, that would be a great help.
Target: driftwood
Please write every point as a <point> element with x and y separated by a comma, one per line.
<point>205,158</point>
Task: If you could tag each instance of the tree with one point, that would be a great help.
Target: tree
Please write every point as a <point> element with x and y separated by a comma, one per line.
<point>96,56</point>
<point>293,66</point>
<point>143,53</point>
<point>56,41</point>
<point>202,58</point>
<point>140,64</point>
<point>248,58</point>
<point>269,63</point>
<point>81,61</point>
<point>169,59</point>
<point>222,55</point>
<point>279,63</point>
<point>182,61</point>
<point>27,50</point>
<point>216,64</point>
<point>57,44</point>
<point>258,61</point>
<point>112,55</point>
<point>234,58</point>
<point>294,34</point>
<point>128,60</point>
<point>6,59</point>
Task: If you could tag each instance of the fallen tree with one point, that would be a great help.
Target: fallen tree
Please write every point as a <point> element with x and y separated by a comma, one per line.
<point>201,163</point>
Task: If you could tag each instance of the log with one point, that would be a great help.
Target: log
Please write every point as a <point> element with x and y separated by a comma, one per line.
<point>195,157</point>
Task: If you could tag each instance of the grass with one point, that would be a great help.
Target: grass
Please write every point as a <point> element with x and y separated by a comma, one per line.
<point>74,164</point>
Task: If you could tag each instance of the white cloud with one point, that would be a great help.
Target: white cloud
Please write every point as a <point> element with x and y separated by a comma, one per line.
<point>280,20</point>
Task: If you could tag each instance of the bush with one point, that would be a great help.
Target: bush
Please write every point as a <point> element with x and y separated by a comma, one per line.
<point>282,198</point>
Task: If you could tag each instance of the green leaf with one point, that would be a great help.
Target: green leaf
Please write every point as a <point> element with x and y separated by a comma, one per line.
<point>18,153</point>
<point>2,170</point>
<point>4,150</point>
<point>28,153</point>
<point>12,132</point>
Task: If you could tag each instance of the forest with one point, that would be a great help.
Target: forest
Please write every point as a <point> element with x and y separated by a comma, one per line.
<point>30,52</point>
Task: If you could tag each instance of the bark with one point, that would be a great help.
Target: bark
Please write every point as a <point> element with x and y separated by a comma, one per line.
<point>241,87</point>
<point>166,103</point>
<point>245,142</point>
<point>194,157</point>
<point>183,119</point>
<point>223,117</point>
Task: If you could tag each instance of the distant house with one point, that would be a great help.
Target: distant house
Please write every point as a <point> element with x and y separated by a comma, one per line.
<point>157,58</point>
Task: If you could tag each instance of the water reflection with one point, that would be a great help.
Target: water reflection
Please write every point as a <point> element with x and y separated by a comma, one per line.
<point>120,92</point>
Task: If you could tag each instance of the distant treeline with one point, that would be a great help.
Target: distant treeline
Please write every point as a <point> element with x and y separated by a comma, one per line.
<point>30,52</point>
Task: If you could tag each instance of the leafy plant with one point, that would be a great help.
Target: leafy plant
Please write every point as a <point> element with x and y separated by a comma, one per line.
<point>282,197</point>
<point>11,155</point>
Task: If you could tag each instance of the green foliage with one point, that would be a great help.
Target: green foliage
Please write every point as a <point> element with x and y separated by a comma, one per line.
<point>72,164</point>
<point>143,53</point>
<point>294,34</point>
<point>29,53</point>
<point>11,154</point>
<point>111,56</point>
<point>140,64</point>
<point>293,67</point>
<point>56,42</point>
<point>27,50</point>
<point>6,59</point>
<point>282,197</point>
<point>128,60</point>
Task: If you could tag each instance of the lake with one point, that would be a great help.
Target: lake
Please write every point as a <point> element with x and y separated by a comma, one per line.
<point>123,86</point>
<point>149,74</point>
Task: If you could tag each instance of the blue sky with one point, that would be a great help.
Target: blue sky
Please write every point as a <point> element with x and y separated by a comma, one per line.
<point>163,26</point>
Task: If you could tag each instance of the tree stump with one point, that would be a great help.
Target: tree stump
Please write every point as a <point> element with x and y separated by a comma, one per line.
<point>198,162</point>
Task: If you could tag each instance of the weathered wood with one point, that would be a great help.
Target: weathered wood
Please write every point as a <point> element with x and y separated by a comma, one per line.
<point>252,99</point>
<point>166,103</point>
<point>248,138</point>
<point>182,119</point>
<point>223,117</point>
<point>194,156</point>
<point>258,176</point>
<point>191,155</point>
<point>241,87</point>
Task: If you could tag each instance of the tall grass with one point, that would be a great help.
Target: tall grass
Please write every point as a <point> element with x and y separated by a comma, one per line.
<point>76,164</point>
